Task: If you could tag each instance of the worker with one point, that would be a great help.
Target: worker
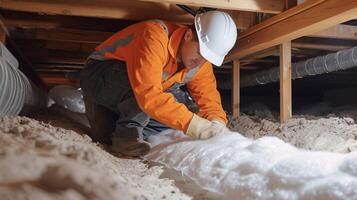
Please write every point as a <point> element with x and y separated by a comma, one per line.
<point>129,81</point>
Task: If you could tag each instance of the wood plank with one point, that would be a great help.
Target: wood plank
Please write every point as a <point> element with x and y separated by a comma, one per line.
<point>264,53</point>
<point>285,82</point>
<point>236,88</point>
<point>71,46</point>
<point>58,66</point>
<point>29,23</point>
<point>2,36</point>
<point>72,35</point>
<point>341,31</point>
<point>38,45</point>
<point>38,20</point>
<point>123,9</point>
<point>289,4</point>
<point>62,60</point>
<point>324,15</point>
<point>242,19</point>
<point>62,35</point>
<point>266,6</point>
<point>326,47</point>
<point>54,79</point>
<point>3,31</point>
<point>282,16</point>
<point>57,56</point>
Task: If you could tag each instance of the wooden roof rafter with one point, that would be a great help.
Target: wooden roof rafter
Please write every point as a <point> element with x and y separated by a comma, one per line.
<point>307,18</point>
<point>264,6</point>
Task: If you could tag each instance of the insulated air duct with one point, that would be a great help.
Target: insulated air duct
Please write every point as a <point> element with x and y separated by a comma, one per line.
<point>340,60</point>
<point>17,93</point>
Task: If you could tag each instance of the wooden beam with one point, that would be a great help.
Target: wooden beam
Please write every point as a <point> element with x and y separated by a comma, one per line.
<point>2,36</point>
<point>41,21</point>
<point>3,31</point>
<point>57,56</point>
<point>72,35</point>
<point>236,88</point>
<point>341,31</point>
<point>282,16</point>
<point>296,22</point>
<point>285,82</point>
<point>242,19</point>
<point>63,35</point>
<point>123,9</point>
<point>326,47</point>
<point>62,60</point>
<point>30,23</point>
<point>289,4</point>
<point>264,53</point>
<point>266,6</point>
<point>38,45</point>
<point>58,66</point>
<point>55,79</point>
<point>71,46</point>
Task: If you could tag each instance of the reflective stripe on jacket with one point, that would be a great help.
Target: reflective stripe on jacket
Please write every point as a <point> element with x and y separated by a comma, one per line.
<point>150,51</point>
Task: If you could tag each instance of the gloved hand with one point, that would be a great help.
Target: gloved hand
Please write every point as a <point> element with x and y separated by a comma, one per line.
<point>220,127</point>
<point>200,128</point>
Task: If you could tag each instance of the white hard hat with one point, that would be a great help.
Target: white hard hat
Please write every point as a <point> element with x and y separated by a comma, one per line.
<point>217,34</point>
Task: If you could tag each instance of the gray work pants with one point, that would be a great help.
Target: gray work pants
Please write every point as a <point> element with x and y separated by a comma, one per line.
<point>111,107</point>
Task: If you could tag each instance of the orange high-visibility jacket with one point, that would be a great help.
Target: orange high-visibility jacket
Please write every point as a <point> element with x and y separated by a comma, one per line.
<point>150,51</point>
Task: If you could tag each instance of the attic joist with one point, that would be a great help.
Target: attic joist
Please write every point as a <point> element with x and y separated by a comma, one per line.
<point>341,31</point>
<point>2,36</point>
<point>266,6</point>
<point>62,60</point>
<point>29,23</point>
<point>304,19</point>
<point>72,35</point>
<point>54,79</point>
<point>32,20</point>
<point>289,4</point>
<point>2,32</point>
<point>56,56</point>
<point>64,35</point>
<point>327,47</point>
<point>124,9</point>
<point>243,19</point>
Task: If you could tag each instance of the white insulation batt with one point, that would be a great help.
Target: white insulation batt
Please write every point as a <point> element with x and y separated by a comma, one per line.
<point>237,167</point>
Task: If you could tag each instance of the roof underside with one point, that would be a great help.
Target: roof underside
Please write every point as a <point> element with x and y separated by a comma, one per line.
<point>57,36</point>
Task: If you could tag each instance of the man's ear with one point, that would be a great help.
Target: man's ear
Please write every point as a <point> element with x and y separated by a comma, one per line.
<point>188,35</point>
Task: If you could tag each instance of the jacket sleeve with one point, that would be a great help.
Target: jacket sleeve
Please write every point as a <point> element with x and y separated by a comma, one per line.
<point>203,88</point>
<point>145,68</point>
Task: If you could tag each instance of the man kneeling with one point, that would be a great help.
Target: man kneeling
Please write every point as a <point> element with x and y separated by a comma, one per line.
<point>131,82</point>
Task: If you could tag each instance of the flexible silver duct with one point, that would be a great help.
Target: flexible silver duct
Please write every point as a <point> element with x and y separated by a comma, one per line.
<point>17,93</point>
<point>340,60</point>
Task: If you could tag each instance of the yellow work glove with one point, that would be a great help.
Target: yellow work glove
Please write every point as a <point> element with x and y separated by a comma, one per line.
<point>200,128</point>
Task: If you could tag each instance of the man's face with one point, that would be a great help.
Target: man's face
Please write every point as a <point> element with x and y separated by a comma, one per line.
<point>190,51</point>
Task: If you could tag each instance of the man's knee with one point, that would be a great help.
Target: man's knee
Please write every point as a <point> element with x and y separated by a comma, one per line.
<point>154,127</point>
<point>102,121</point>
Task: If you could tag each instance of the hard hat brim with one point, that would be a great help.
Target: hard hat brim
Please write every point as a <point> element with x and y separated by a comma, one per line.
<point>209,55</point>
